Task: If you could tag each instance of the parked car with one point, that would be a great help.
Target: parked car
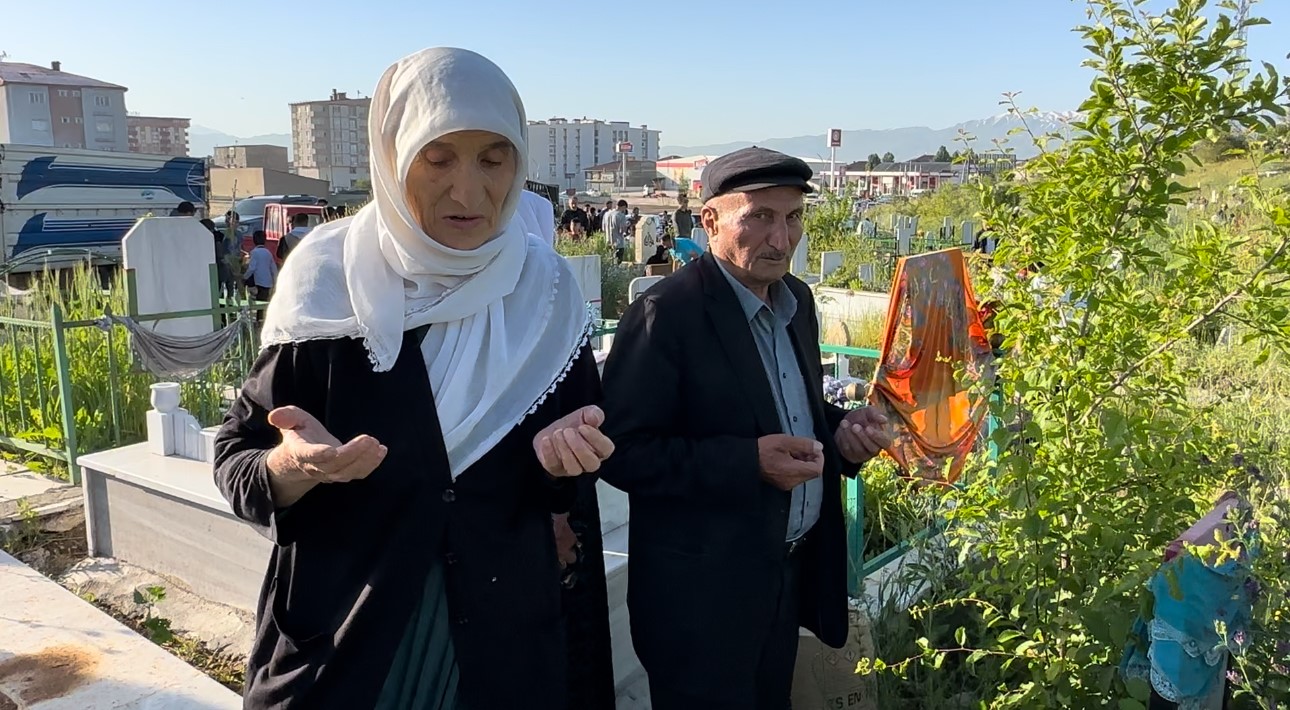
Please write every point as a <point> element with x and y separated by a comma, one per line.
<point>250,211</point>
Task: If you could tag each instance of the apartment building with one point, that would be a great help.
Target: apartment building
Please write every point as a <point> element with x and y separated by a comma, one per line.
<point>329,140</point>
<point>270,157</point>
<point>561,150</point>
<point>158,135</point>
<point>47,106</point>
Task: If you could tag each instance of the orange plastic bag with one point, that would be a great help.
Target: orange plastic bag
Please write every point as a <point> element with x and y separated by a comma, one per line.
<point>935,350</point>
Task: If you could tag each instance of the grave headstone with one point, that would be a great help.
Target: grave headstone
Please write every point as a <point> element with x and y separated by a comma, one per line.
<point>968,230</point>
<point>947,229</point>
<point>649,231</point>
<point>586,271</point>
<point>797,265</point>
<point>641,285</point>
<point>866,274</point>
<point>171,258</point>
<point>830,261</point>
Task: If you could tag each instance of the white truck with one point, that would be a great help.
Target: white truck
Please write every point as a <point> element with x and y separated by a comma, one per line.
<point>62,204</point>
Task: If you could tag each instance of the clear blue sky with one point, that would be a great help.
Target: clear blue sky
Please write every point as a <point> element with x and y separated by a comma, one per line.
<point>702,71</point>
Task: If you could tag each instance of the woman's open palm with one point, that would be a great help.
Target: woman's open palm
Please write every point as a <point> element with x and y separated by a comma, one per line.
<point>310,451</point>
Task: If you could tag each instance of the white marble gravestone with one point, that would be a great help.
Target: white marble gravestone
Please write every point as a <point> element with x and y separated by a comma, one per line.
<point>797,266</point>
<point>171,258</point>
<point>649,233</point>
<point>830,261</point>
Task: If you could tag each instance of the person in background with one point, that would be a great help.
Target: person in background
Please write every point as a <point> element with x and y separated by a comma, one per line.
<point>233,255</point>
<point>682,249</point>
<point>617,228</point>
<point>574,219</point>
<point>185,209</point>
<point>684,218</point>
<point>733,461</point>
<point>660,256</point>
<point>261,269</point>
<point>593,220</point>
<point>636,217</point>
<point>226,287</point>
<point>291,240</point>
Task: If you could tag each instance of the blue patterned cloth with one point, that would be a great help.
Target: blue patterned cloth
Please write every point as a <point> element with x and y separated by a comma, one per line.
<point>1181,650</point>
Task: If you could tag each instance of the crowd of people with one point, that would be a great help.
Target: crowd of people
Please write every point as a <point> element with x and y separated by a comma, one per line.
<point>422,435</point>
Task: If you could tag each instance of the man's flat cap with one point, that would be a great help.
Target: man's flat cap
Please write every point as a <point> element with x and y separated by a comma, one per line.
<point>754,168</point>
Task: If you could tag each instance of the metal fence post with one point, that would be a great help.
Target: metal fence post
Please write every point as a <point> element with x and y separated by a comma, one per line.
<point>65,392</point>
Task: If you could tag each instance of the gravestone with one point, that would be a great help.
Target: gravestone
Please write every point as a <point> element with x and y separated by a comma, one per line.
<point>968,230</point>
<point>586,271</point>
<point>866,274</point>
<point>947,229</point>
<point>649,232</point>
<point>830,261</point>
<point>640,285</point>
<point>797,265</point>
<point>171,258</point>
<point>867,228</point>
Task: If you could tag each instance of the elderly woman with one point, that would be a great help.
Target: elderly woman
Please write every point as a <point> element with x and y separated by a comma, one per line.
<point>420,410</point>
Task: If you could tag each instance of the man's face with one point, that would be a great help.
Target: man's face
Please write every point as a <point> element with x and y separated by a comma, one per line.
<point>573,203</point>
<point>755,233</point>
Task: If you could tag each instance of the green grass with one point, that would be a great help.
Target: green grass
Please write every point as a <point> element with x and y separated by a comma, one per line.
<point>101,370</point>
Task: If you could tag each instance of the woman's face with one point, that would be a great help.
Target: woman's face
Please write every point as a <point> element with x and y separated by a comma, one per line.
<point>457,185</point>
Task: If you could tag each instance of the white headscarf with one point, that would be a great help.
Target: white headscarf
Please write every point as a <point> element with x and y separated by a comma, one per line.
<point>507,319</point>
<point>537,214</point>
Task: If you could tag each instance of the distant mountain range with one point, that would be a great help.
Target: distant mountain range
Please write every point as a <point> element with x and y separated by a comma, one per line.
<point>202,141</point>
<point>903,143</point>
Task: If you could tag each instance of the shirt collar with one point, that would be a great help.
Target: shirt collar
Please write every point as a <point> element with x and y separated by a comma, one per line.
<point>783,304</point>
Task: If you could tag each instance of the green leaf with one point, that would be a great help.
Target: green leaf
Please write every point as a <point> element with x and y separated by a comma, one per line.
<point>1139,689</point>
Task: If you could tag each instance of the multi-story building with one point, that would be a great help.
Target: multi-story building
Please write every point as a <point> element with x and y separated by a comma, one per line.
<point>271,157</point>
<point>158,135</point>
<point>329,139</point>
<point>561,150</point>
<point>49,107</point>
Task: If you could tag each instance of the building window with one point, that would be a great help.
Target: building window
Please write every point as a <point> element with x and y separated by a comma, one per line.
<point>77,120</point>
<point>102,100</point>
<point>39,124</point>
<point>36,97</point>
<point>76,94</point>
<point>62,92</point>
<point>104,125</point>
<point>66,119</point>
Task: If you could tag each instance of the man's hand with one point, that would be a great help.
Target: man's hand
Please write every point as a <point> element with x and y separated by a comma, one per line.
<point>309,455</point>
<point>862,434</point>
<point>573,444</point>
<point>788,461</point>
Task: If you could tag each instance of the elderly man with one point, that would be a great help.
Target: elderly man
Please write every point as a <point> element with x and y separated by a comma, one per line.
<point>732,459</point>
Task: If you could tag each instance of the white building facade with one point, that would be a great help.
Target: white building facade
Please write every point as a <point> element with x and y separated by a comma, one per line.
<point>561,149</point>
<point>329,140</point>
<point>47,106</point>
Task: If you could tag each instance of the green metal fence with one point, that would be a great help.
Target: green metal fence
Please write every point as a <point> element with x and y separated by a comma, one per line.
<point>69,383</point>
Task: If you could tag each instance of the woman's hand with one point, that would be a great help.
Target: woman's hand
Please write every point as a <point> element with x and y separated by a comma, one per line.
<point>309,455</point>
<point>573,445</point>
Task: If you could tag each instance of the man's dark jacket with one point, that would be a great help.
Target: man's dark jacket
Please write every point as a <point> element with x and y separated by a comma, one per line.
<point>686,398</point>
